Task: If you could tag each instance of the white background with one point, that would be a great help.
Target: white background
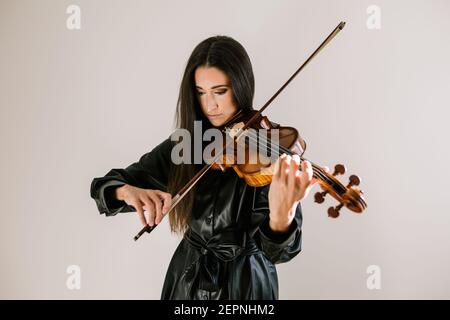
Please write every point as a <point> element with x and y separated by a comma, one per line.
<point>76,103</point>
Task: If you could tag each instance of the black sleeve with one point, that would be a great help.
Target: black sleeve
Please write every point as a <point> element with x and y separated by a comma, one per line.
<point>150,172</point>
<point>279,247</point>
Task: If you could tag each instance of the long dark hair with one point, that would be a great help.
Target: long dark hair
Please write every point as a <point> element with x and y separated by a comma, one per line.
<point>230,57</point>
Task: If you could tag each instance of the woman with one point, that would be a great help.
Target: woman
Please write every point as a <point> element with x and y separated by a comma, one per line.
<point>234,234</point>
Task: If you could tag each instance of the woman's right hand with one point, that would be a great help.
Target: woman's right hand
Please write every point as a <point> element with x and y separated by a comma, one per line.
<point>155,202</point>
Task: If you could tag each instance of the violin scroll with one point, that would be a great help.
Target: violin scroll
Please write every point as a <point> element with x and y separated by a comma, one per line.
<point>348,196</point>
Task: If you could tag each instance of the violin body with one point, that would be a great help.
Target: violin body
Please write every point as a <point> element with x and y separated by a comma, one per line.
<point>258,173</point>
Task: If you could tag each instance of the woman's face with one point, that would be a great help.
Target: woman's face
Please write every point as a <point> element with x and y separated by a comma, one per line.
<point>215,95</point>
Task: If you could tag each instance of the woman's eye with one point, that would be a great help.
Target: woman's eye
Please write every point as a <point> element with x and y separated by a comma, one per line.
<point>217,92</point>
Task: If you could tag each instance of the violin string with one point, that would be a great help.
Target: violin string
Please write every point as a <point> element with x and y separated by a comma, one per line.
<point>320,173</point>
<point>253,137</point>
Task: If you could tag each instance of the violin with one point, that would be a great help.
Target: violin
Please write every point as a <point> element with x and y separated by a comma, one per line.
<point>259,173</point>
<point>246,128</point>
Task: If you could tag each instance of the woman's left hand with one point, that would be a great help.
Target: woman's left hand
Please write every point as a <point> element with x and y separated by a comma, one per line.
<point>288,187</point>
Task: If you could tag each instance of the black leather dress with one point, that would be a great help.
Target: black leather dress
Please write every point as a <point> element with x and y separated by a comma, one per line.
<point>228,251</point>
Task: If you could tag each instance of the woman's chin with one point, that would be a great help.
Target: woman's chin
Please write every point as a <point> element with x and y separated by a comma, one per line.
<point>217,122</point>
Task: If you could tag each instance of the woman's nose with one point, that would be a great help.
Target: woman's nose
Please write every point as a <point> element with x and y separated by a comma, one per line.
<point>211,103</point>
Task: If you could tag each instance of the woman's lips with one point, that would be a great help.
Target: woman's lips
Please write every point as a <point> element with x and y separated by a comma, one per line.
<point>214,115</point>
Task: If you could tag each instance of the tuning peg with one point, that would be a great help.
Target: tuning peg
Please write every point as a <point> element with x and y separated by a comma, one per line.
<point>354,180</point>
<point>319,196</point>
<point>339,169</point>
<point>333,212</point>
